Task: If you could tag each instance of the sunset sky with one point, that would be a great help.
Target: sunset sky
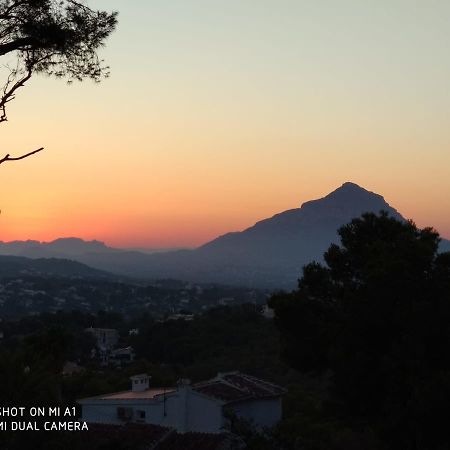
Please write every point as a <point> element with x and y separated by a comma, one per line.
<point>220,113</point>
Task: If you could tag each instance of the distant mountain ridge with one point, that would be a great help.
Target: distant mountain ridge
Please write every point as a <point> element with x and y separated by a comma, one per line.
<point>17,266</point>
<point>66,248</point>
<point>270,253</point>
<point>59,248</point>
<point>336,208</point>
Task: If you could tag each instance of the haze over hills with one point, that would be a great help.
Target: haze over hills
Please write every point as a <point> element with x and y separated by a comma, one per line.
<point>59,248</point>
<point>270,253</point>
<point>445,245</point>
<point>65,248</point>
<point>17,266</point>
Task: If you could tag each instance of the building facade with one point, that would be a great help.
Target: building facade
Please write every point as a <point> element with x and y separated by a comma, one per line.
<point>203,407</point>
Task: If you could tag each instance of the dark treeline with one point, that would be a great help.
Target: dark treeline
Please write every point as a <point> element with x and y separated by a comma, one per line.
<point>220,339</point>
<point>374,319</point>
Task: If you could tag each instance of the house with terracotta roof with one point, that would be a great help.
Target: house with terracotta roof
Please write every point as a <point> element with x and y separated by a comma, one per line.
<point>202,407</point>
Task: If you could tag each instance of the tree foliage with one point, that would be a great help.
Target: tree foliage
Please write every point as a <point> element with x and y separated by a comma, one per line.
<point>54,37</point>
<point>377,315</point>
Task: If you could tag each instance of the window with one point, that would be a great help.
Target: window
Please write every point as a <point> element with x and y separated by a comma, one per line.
<point>140,416</point>
<point>124,413</point>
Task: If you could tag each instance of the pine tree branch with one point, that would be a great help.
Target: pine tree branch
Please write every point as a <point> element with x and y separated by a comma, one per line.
<point>9,158</point>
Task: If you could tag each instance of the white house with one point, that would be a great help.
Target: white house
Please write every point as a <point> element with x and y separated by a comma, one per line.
<point>200,407</point>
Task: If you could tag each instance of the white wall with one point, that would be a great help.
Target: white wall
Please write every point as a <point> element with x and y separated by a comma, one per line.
<point>105,411</point>
<point>204,414</point>
<point>263,412</point>
<point>100,413</point>
<point>186,410</point>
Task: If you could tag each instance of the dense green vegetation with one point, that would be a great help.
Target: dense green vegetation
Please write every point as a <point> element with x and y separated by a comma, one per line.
<point>376,319</point>
<point>220,339</point>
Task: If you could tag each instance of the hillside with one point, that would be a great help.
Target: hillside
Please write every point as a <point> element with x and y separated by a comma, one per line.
<point>16,266</point>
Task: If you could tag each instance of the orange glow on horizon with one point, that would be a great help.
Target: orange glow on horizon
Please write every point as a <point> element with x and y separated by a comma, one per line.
<point>215,118</point>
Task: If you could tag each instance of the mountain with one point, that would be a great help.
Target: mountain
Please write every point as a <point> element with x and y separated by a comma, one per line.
<point>69,248</point>
<point>59,248</point>
<point>17,266</point>
<point>273,251</point>
<point>270,253</point>
<point>312,226</point>
<point>445,246</point>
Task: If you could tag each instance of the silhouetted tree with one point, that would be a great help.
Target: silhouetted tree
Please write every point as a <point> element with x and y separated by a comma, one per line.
<point>54,37</point>
<point>377,315</point>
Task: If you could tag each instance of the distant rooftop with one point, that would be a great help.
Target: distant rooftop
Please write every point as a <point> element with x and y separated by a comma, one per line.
<point>139,376</point>
<point>228,387</point>
<point>236,386</point>
<point>133,395</point>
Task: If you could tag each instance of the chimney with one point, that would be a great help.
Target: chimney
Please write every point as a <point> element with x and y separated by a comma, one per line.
<point>140,382</point>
